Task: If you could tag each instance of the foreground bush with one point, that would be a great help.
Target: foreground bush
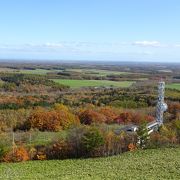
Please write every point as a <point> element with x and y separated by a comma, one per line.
<point>143,136</point>
<point>97,140</point>
<point>176,125</point>
<point>17,155</point>
<point>39,153</point>
<point>58,150</point>
<point>92,140</point>
<point>2,152</point>
<point>117,143</point>
<point>74,140</point>
<point>166,137</point>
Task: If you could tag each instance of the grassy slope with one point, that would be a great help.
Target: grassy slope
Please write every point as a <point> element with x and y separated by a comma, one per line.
<point>86,83</point>
<point>148,164</point>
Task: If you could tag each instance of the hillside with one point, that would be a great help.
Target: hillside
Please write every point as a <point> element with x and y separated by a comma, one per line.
<point>147,164</point>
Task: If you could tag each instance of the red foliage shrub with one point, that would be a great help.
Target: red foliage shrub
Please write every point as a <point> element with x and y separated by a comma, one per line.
<point>90,116</point>
<point>124,117</point>
<point>149,118</point>
<point>131,117</point>
<point>174,108</point>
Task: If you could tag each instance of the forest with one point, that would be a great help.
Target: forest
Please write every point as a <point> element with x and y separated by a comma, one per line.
<point>62,111</point>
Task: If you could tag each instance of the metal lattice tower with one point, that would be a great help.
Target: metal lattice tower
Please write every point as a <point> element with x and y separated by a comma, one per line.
<point>161,105</point>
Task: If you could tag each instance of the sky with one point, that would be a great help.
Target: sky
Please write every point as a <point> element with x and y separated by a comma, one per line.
<point>94,30</point>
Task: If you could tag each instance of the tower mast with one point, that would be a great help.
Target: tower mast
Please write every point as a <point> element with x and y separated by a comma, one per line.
<point>161,105</point>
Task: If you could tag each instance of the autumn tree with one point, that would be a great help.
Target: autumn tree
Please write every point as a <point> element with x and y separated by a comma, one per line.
<point>109,114</point>
<point>174,108</point>
<point>54,119</point>
<point>90,116</point>
<point>65,116</point>
<point>124,117</point>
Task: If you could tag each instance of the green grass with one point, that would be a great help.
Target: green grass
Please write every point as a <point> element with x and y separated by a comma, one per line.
<point>92,83</point>
<point>25,71</point>
<point>90,72</point>
<point>173,86</point>
<point>95,72</point>
<point>36,71</point>
<point>148,164</point>
<point>33,138</point>
<point>44,138</point>
<point>142,79</point>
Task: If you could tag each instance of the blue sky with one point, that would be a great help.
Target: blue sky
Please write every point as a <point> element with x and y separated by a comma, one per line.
<point>117,30</point>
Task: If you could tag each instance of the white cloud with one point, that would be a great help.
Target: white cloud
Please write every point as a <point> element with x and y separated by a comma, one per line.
<point>147,43</point>
<point>177,45</point>
<point>53,45</point>
<point>29,47</point>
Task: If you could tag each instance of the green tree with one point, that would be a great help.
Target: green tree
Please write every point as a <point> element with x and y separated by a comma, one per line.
<point>92,139</point>
<point>2,151</point>
<point>143,136</point>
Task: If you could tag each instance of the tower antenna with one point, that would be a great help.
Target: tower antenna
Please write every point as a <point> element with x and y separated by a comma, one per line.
<point>161,105</point>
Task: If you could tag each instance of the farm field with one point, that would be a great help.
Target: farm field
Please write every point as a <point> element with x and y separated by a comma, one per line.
<point>37,71</point>
<point>148,164</point>
<point>98,72</point>
<point>26,71</point>
<point>91,72</point>
<point>173,86</point>
<point>92,83</point>
<point>94,72</point>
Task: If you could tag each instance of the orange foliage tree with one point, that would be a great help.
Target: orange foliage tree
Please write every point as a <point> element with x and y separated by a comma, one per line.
<point>109,114</point>
<point>65,116</point>
<point>52,120</point>
<point>17,155</point>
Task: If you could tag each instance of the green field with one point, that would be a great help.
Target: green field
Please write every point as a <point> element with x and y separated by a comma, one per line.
<point>95,72</point>
<point>98,72</point>
<point>148,164</point>
<point>92,83</point>
<point>173,86</point>
<point>25,71</point>
<point>90,72</point>
<point>37,71</point>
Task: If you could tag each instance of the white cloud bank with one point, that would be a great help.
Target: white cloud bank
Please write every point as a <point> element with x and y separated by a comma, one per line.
<point>147,43</point>
<point>177,45</point>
